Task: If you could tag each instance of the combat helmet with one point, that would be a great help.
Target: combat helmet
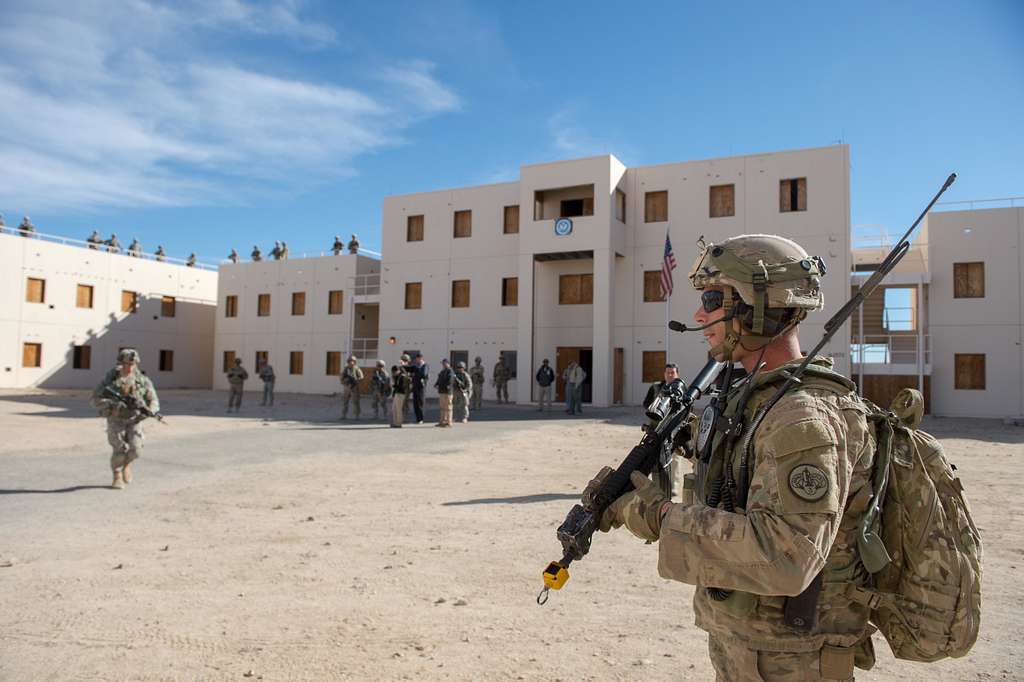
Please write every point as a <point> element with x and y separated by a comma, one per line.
<point>128,355</point>
<point>774,279</point>
<point>381,363</point>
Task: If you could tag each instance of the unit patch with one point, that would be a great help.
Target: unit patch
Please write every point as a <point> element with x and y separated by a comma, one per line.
<point>808,482</point>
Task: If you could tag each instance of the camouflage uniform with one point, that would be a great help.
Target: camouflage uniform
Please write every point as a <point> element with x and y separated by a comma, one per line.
<point>462,388</point>
<point>479,375</point>
<point>350,388</point>
<point>236,385</point>
<point>380,390</point>
<point>124,425</point>
<point>500,377</point>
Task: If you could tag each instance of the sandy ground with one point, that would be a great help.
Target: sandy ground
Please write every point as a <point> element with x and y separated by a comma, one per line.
<point>283,545</point>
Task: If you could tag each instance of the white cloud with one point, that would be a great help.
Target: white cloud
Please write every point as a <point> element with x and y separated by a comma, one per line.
<point>128,105</point>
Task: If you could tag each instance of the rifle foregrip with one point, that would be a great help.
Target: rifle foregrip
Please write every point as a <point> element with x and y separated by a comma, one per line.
<point>641,458</point>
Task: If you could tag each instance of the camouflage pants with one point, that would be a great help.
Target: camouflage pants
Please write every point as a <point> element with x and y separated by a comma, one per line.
<point>477,401</point>
<point>234,396</point>
<point>380,404</point>
<point>734,662</point>
<point>268,393</point>
<point>349,394</point>
<point>125,437</point>
<point>398,408</point>
<point>460,406</point>
<point>501,389</point>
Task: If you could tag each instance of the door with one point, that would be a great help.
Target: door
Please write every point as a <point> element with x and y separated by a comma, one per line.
<point>619,376</point>
<point>587,363</point>
<point>582,355</point>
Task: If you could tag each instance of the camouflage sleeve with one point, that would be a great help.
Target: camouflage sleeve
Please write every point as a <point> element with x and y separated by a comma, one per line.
<point>152,400</point>
<point>798,488</point>
<point>98,400</point>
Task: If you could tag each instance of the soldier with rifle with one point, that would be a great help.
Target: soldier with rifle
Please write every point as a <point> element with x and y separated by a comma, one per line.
<point>126,397</point>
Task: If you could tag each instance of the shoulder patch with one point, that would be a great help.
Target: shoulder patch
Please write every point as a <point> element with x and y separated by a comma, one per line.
<point>808,482</point>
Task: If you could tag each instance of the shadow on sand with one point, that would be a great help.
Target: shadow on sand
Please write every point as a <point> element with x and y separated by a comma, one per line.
<point>71,489</point>
<point>523,499</point>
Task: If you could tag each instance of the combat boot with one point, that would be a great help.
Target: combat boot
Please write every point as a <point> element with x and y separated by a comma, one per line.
<point>126,473</point>
<point>118,483</point>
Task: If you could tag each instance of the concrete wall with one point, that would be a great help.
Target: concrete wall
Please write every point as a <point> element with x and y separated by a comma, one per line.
<point>314,333</point>
<point>991,325</point>
<point>59,325</point>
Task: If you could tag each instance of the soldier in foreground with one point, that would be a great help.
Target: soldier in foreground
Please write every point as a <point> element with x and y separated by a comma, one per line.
<point>500,378</point>
<point>773,560</point>
<point>479,375</point>
<point>125,397</point>
<point>350,389</point>
<point>236,385</point>
<point>380,390</point>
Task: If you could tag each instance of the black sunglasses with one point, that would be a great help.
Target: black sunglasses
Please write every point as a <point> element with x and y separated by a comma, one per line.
<point>712,300</point>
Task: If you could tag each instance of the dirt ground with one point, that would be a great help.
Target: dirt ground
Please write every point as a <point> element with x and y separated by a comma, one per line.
<point>281,545</point>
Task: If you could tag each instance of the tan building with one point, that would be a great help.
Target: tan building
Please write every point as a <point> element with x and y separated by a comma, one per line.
<point>949,320</point>
<point>65,311</point>
<point>565,263</point>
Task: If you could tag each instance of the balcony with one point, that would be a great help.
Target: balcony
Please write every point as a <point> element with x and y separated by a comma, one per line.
<point>892,354</point>
<point>366,285</point>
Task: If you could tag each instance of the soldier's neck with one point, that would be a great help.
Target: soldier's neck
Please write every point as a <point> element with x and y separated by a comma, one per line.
<point>779,352</point>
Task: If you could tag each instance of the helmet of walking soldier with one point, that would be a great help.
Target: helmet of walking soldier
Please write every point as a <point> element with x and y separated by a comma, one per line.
<point>126,355</point>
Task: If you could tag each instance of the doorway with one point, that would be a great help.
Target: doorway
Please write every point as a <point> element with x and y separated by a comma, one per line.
<point>619,376</point>
<point>584,356</point>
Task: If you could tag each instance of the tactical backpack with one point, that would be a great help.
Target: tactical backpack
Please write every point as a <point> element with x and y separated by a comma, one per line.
<point>919,541</point>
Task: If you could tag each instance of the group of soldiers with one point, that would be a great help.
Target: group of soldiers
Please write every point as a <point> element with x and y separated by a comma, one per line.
<point>280,250</point>
<point>134,250</point>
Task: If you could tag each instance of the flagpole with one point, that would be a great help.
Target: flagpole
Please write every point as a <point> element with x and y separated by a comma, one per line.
<point>668,313</point>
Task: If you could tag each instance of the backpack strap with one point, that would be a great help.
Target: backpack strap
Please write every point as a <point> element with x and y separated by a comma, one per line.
<point>870,545</point>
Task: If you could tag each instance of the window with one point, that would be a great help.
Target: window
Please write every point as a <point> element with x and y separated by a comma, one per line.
<point>32,355</point>
<point>295,362</point>
<point>262,358</point>
<point>463,224</point>
<point>231,306</point>
<point>575,289</point>
<point>413,295</point>
<point>968,280</point>
<point>511,224</point>
<point>656,207</point>
<point>460,293</point>
<point>263,305</point>
<point>792,195</point>
<point>414,228</point>
<point>83,296</point>
<point>81,357</point>
<point>573,208</point>
<point>970,371</point>
<point>129,301</point>
<point>620,205</point>
<point>335,302</point>
<point>870,353</point>
<point>654,366</point>
<point>229,360</point>
<point>333,366</point>
<point>35,290</point>
<point>167,361</point>
<point>510,291</point>
<point>723,201</point>
<point>652,286</point>
<point>510,358</point>
<point>899,313</point>
<point>457,356</point>
<point>299,303</point>
<point>167,306</point>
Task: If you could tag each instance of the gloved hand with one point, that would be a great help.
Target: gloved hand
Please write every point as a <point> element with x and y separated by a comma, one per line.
<point>639,509</point>
<point>587,498</point>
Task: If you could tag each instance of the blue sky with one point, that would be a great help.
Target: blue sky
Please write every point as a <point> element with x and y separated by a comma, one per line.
<point>209,125</point>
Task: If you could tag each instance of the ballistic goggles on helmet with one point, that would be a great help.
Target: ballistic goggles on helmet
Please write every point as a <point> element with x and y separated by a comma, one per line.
<point>712,300</point>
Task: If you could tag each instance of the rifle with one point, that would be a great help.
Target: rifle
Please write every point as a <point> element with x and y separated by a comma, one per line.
<point>579,525</point>
<point>132,403</point>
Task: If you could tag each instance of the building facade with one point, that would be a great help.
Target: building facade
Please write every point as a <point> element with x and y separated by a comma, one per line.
<point>68,309</point>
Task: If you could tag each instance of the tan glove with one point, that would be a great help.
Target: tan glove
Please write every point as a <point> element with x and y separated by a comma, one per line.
<point>639,509</point>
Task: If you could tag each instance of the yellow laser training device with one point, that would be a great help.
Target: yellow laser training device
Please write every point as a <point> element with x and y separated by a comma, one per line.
<point>555,576</point>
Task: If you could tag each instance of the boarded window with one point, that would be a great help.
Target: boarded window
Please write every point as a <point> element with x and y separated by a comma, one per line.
<point>167,361</point>
<point>414,228</point>
<point>463,224</point>
<point>970,371</point>
<point>575,289</point>
<point>35,290</point>
<point>511,223</point>
<point>656,207</point>
<point>723,201</point>
<point>83,296</point>
<point>81,357</point>
<point>457,356</point>
<point>167,306</point>
<point>792,195</point>
<point>968,280</point>
<point>620,205</point>
<point>652,286</point>
<point>413,295</point>
<point>229,360</point>
<point>261,358</point>
<point>510,291</point>
<point>32,355</point>
<point>335,302</point>
<point>654,366</point>
<point>231,306</point>
<point>263,305</point>
<point>460,293</point>
<point>295,362</point>
<point>333,366</point>
<point>299,303</point>
<point>129,301</point>
<point>511,359</point>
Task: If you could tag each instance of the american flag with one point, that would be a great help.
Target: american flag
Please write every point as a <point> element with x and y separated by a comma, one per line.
<point>668,264</point>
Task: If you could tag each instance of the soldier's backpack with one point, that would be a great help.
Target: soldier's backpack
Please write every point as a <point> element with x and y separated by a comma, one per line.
<point>919,541</point>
